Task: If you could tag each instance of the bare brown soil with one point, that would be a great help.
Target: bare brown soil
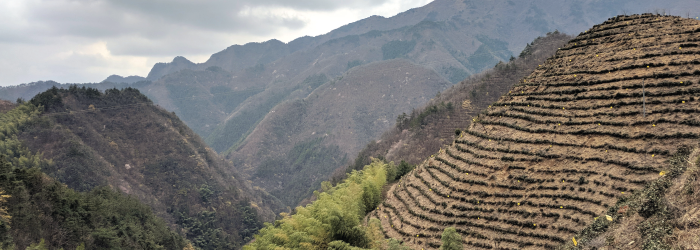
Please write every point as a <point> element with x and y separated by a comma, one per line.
<point>552,155</point>
<point>6,106</point>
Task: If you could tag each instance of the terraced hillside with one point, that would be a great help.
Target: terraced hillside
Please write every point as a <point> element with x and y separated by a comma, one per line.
<point>593,124</point>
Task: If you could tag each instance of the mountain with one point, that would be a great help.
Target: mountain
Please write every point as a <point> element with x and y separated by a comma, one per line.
<point>38,212</point>
<point>587,150</point>
<point>120,79</point>
<point>425,129</point>
<point>225,102</point>
<point>302,142</point>
<point>119,139</point>
<point>225,98</point>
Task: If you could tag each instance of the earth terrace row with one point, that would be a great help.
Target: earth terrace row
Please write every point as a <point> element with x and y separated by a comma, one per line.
<point>608,32</point>
<point>686,40</point>
<point>484,195</point>
<point>527,180</point>
<point>615,183</point>
<point>644,170</point>
<point>552,192</point>
<point>621,22</point>
<point>468,233</point>
<point>501,203</point>
<point>400,231</point>
<point>577,132</point>
<point>582,83</point>
<point>591,129</point>
<point>443,222</point>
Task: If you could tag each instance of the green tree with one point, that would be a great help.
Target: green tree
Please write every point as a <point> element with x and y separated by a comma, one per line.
<point>396,245</point>
<point>451,240</point>
<point>38,246</point>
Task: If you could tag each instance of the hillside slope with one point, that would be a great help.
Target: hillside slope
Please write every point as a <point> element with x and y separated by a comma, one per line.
<point>38,212</point>
<point>595,123</point>
<point>424,130</point>
<point>119,139</point>
<point>301,142</point>
<point>453,38</point>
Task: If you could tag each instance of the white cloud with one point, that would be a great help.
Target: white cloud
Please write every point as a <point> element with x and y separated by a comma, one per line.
<point>88,40</point>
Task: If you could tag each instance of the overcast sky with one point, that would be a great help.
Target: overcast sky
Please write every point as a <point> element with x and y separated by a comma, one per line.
<point>78,41</point>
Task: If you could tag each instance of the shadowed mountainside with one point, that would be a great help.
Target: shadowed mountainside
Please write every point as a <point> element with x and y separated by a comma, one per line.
<point>604,119</point>
<point>119,139</point>
<point>301,142</point>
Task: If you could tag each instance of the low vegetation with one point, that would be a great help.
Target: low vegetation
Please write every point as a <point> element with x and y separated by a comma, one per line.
<point>334,220</point>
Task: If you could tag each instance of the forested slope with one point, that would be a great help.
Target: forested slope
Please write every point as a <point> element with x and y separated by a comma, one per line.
<point>37,210</point>
<point>119,139</point>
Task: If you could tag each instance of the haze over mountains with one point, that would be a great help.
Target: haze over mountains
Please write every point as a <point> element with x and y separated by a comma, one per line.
<point>229,99</point>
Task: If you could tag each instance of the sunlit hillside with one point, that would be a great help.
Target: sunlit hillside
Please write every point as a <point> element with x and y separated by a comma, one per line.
<point>608,115</point>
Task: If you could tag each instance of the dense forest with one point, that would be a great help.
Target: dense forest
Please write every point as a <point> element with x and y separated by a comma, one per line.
<point>78,147</point>
<point>334,220</point>
<point>38,212</point>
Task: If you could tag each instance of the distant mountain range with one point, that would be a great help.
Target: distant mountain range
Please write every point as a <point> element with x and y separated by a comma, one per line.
<point>330,84</point>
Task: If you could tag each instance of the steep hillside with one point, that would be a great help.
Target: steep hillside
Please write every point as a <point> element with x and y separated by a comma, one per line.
<point>119,139</point>
<point>595,123</point>
<point>424,130</point>
<point>38,212</point>
<point>301,142</point>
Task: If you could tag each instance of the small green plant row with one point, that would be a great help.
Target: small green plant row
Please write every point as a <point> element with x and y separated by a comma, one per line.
<point>654,75</point>
<point>693,123</point>
<point>616,96</point>
<point>455,167</point>
<point>554,156</point>
<point>663,84</point>
<point>677,135</point>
